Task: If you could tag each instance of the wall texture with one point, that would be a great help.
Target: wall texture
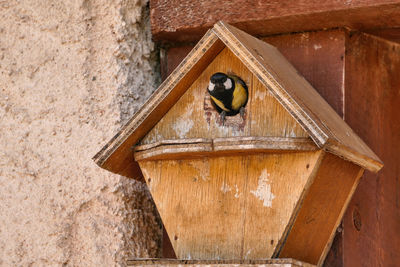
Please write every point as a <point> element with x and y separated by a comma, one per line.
<point>71,73</point>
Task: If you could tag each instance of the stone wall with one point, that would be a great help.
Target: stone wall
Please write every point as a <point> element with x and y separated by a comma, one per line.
<point>71,73</point>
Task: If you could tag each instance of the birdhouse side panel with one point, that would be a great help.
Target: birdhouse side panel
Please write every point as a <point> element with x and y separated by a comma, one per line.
<point>232,207</point>
<point>322,210</point>
<point>194,116</point>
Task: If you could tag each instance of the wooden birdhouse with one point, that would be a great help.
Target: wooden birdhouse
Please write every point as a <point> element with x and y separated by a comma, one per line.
<point>272,182</point>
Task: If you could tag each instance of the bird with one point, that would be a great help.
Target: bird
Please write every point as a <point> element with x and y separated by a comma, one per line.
<point>229,94</point>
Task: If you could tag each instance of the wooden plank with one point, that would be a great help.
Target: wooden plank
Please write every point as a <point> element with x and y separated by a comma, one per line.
<point>264,144</point>
<point>391,34</point>
<point>298,97</point>
<point>319,57</point>
<point>206,209</point>
<point>321,211</point>
<point>372,110</point>
<point>168,142</point>
<point>195,148</point>
<point>171,57</point>
<point>194,208</point>
<point>175,151</point>
<point>116,155</point>
<point>186,20</point>
<point>289,176</point>
<point>219,263</point>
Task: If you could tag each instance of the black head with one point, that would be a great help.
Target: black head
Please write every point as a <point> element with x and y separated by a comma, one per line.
<point>220,82</point>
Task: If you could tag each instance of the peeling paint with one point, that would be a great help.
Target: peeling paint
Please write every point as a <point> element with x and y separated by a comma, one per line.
<point>247,254</point>
<point>203,169</point>
<point>260,94</point>
<point>184,124</point>
<point>263,191</point>
<point>317,46</point>
<point>225,188</point>
<point>237,194</point>
<point>292,133</point>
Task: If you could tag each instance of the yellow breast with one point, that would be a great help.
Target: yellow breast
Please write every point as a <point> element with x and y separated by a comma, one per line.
<point>239,96</point>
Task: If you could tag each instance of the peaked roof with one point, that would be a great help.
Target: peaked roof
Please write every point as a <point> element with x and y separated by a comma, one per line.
<point>300,99</point>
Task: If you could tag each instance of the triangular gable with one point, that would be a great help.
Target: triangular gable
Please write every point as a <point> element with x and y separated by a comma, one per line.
<point>295,94</point>
<point>317,117</point>
<point>193,116</point>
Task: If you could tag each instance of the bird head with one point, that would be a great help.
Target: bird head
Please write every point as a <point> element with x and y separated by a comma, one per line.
<point>220,82</point>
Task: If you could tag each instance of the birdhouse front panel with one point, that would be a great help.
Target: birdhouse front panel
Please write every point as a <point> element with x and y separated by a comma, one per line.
<point>194,115</point>
<point>231,207</point>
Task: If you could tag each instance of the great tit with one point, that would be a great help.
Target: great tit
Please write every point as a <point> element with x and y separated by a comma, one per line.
<point>229,94</point>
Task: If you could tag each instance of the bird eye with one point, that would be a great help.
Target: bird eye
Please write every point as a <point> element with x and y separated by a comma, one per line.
<point>211,86</point>
<point>228,84</point>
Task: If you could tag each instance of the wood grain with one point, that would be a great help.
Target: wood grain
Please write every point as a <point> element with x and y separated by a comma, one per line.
<point>319,57</point>
<point>198,148</point>
<point>268,116</point>
<point>207,209</point>
<point>322,210</point>
<point>185,20</point>
<point>372,108</point>
<point>298,97</point>
<point>193,115</point>
<point>219,263</point>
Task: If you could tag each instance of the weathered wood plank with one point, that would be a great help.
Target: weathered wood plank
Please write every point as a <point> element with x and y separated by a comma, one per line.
<point>195,148</point>
<point>372,110</point>
<point>319,57</point>
<point>207,209</point>
<point>186,20</point>
<point>219,263</point>
<point>268,117</point>
<point>322,210</point>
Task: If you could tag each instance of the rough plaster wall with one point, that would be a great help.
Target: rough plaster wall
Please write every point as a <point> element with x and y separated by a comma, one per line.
<point>71,73</point>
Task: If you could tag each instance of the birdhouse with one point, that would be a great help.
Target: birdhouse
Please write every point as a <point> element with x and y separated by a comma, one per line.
<point>272,181</point>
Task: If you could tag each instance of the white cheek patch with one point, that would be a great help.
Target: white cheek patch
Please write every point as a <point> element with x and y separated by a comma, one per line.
<point>211,86</point>
<point>228,84</point>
